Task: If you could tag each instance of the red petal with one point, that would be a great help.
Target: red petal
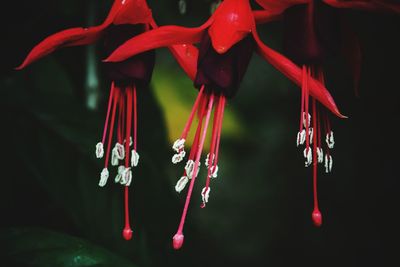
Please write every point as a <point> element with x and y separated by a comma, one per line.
<point>294,73</point>
<point>277,7</point>
<point>186,55</point>
<point>70,37</point>
<point>160,37</point>
<point>233,20</point>
<point>264,16</point>
<point>131,12</point>
<point>375,5</point>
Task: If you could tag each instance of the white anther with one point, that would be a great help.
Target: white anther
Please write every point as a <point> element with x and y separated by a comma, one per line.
<point>99,150</point>
<point>301,137</point>
<point>189,168</point>
<point>182,7</point>
<point>305,119</point>
<point>328,163</point>
<point>311,134</point>
<point>207,161</point>
<point>178,157</point>
<point>320,155</point>
<point>213,172</point>
<point>118,177</point>
<point>179,145</point>
<point>134,158</point>
<point>126,177</point>
<point>180,185</point>
<point>330,141</point>
<point>117,153</point>
<point>103,177</point>
<point>308,156</point>
<point>205,194</point>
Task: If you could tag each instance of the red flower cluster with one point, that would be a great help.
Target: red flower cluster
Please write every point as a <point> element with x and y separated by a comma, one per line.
<point>226,43</point>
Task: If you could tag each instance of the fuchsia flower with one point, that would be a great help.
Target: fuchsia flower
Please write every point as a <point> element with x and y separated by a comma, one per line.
<point>311,32</point>
<point>126,19</point>
<point>227,42</point>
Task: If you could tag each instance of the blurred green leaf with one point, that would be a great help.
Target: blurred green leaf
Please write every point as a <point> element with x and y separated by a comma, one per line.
<point>35,247</point>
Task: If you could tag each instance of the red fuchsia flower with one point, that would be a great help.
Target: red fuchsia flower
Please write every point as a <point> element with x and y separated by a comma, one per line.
<point>227,42</point>
<point>311,32</point>
<point>126,19</point>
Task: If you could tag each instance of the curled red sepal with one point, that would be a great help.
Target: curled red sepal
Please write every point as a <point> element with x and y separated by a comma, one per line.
<point>293,72</point>
<point>122,12</point>
<point>160,37</point>
<point>372,5</point>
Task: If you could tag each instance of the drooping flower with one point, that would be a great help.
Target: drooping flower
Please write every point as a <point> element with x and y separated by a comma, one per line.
<point>312,30</point>
<point>126,19</point>
<point>227,42</point>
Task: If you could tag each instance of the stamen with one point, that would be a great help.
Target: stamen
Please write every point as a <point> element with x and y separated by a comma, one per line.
<point>102,179</point>
<point>100,145</point>
<point>179,144</point>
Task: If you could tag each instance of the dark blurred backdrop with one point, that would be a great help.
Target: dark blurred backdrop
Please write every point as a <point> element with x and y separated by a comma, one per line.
<point>54,214</point>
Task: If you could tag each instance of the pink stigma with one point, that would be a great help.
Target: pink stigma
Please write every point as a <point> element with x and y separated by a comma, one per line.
<point>317,218</point>
<point>177,240</point>
<point>127,233</point>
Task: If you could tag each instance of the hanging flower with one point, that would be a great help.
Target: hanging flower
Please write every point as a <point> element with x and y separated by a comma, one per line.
<point>312,30</point>
<point>126,19</point>
<point>227,42</point>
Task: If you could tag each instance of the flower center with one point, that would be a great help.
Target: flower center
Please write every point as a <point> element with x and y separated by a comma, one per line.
<point>223,73</point>
<point>310,134</point>
<point>125,148</point>
<point>203,106</point>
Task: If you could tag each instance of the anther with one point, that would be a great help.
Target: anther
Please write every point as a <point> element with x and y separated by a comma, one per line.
<point>134,158</point>
<point>179,145</point>
<point>330,141</point>
<point>104,177</point>
<point>308,156</point>
<point>189,168</point>
<point>320,155</point>
<point>121,170</point>
<point>99,150</point>
<point>180,185</point>
<point>328,163</point>
<point>306,122</point>
<point>205,194</point>
<point>301,137</point>
<point>178,157</point>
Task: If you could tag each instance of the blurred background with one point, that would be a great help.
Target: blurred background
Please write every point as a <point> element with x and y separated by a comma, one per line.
<point>259,214</point>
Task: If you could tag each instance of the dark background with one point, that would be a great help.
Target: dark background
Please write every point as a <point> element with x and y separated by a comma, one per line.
<point>54,214</point>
